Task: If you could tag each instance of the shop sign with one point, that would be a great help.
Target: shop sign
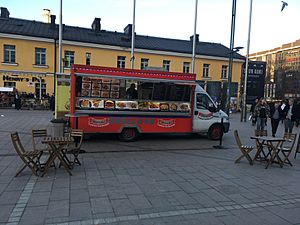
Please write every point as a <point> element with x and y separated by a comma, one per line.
<point>21,79</point>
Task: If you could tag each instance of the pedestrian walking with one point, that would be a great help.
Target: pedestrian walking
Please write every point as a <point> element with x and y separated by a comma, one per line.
<point>276,115</point>
<point>290,116</point>
<point>261,113</point>
<point>17,101</point>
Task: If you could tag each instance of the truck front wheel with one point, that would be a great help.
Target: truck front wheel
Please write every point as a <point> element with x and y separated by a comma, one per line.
<point>128,134</point>
<point>215,132</point>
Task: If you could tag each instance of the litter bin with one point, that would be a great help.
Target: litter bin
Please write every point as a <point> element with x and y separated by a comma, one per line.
<point>58,127</point>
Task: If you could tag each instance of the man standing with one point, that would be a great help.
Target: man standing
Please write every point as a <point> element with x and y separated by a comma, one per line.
<point>290,116</point>
<point>17,101</point>
<point>261,112</point>
<point>275,112</point>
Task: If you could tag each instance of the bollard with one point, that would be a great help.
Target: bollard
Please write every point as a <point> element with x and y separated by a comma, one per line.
<point>221,136</point>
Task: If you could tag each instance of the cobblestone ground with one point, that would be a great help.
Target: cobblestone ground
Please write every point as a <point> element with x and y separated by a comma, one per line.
<point>156,180</point>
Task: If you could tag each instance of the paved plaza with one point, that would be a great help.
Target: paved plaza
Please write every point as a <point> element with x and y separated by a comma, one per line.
<point>158,180</point>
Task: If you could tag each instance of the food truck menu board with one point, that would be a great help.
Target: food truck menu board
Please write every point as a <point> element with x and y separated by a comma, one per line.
<point>119,105</point>
<point>103,88</point>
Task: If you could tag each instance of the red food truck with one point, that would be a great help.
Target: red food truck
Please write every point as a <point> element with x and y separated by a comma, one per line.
<point>129,102</point>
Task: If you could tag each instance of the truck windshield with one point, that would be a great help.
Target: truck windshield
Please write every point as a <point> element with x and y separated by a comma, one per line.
<point>204,102</point>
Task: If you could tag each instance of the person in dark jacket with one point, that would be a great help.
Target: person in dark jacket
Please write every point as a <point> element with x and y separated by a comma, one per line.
<point>17,101</point>
<point>290,116</point>
<point>276,115</point>
<point>253,118</point>
<point>261,113</point>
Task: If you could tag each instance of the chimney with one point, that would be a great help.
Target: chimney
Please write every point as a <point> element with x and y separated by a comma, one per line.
<point>192,37</point>
<point>4,12</point>
<point>128,29</point>
<point>46,16</point>
<point>52,19</point>
<point>96,25</point>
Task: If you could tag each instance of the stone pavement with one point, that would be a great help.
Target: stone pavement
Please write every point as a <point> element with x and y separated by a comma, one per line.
<point>156,180</point>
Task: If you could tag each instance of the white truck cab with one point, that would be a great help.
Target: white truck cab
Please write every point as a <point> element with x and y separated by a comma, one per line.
<point>207,117</point>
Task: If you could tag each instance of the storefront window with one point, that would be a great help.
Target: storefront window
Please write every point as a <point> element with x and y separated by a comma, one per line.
<point>9,84</point>
<point>9,53</point>
<point>40,56</point>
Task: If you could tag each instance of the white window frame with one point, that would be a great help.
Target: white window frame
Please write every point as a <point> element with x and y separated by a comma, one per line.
<point>121,61</point>
<point>206,70</point>
<point>166,64</point>
<point>186,67</point>
<point>224,72</point>
<point>144,63</point>
<point>88,56</point>
<point>10,49</point>
<point>69,59</point>
<point>39,54</point>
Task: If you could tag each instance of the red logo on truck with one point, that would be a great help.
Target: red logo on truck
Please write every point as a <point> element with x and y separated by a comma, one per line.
<point>166,123</point>
<point>99,122</point>
<point>205,116</point>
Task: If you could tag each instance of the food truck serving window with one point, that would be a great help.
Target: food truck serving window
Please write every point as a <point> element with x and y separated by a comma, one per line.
<point>98,93</point>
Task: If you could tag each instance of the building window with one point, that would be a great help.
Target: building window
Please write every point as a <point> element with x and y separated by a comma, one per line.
<point>121,61</point>
<point>40,56</point>
<point>206,70</point>
<point>186,67</point>
<point>87,59</point>
<point>69,59</point>
<point>166,65</point>
<point>224,72</point>
<point>9,84</point>
<point>9,53</point>
<point>144,63</point>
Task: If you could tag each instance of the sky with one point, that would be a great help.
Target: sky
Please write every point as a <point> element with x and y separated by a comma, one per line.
<point>175,18</point>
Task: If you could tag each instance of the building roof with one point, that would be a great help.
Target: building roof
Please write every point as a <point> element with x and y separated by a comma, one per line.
<point>71,33</point>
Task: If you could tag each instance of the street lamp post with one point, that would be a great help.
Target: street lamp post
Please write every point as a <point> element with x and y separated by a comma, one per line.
<point>246,66</point>
<point>230,56</point>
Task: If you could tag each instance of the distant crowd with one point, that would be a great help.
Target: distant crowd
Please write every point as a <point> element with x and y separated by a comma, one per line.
<point>16,98</point>
<point>287,112</point>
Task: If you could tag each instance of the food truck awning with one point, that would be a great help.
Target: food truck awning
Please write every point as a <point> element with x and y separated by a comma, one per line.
<point>6,89</point>
<point>120,73</point>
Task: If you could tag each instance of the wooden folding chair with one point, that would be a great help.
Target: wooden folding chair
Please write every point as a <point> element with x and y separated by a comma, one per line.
<point>75,147</point>
<point>287,147</point>
<point>297,147</point>
<point>30,158</point>
<point>244,149</point>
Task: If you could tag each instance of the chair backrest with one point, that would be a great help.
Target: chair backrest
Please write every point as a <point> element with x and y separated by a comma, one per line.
<point>77,134</point>
<point>17,143</point>
<point>291,140</point>
<point>37,136</point>
<point>237,138</point>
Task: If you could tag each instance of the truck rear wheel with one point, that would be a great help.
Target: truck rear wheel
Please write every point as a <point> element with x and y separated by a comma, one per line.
<point>215,132</point>
<point>128,134</point>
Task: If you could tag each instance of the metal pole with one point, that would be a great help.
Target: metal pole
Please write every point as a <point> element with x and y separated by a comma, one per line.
<point>60,39</point>
<point>230,56</point>
<point>133,36</point>
<point>40,88</point>
<point>194,39</point>
<point>247,63</point>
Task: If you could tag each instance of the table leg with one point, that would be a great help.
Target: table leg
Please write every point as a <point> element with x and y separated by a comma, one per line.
<point>62,160</point>
<point>50,160</point>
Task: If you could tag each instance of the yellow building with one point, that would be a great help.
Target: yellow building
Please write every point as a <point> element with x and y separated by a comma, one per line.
<point>30,53</point>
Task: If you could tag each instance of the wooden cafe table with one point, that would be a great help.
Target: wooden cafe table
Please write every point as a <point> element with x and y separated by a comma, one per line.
<point>57,145</point>
<point>272,144</point>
